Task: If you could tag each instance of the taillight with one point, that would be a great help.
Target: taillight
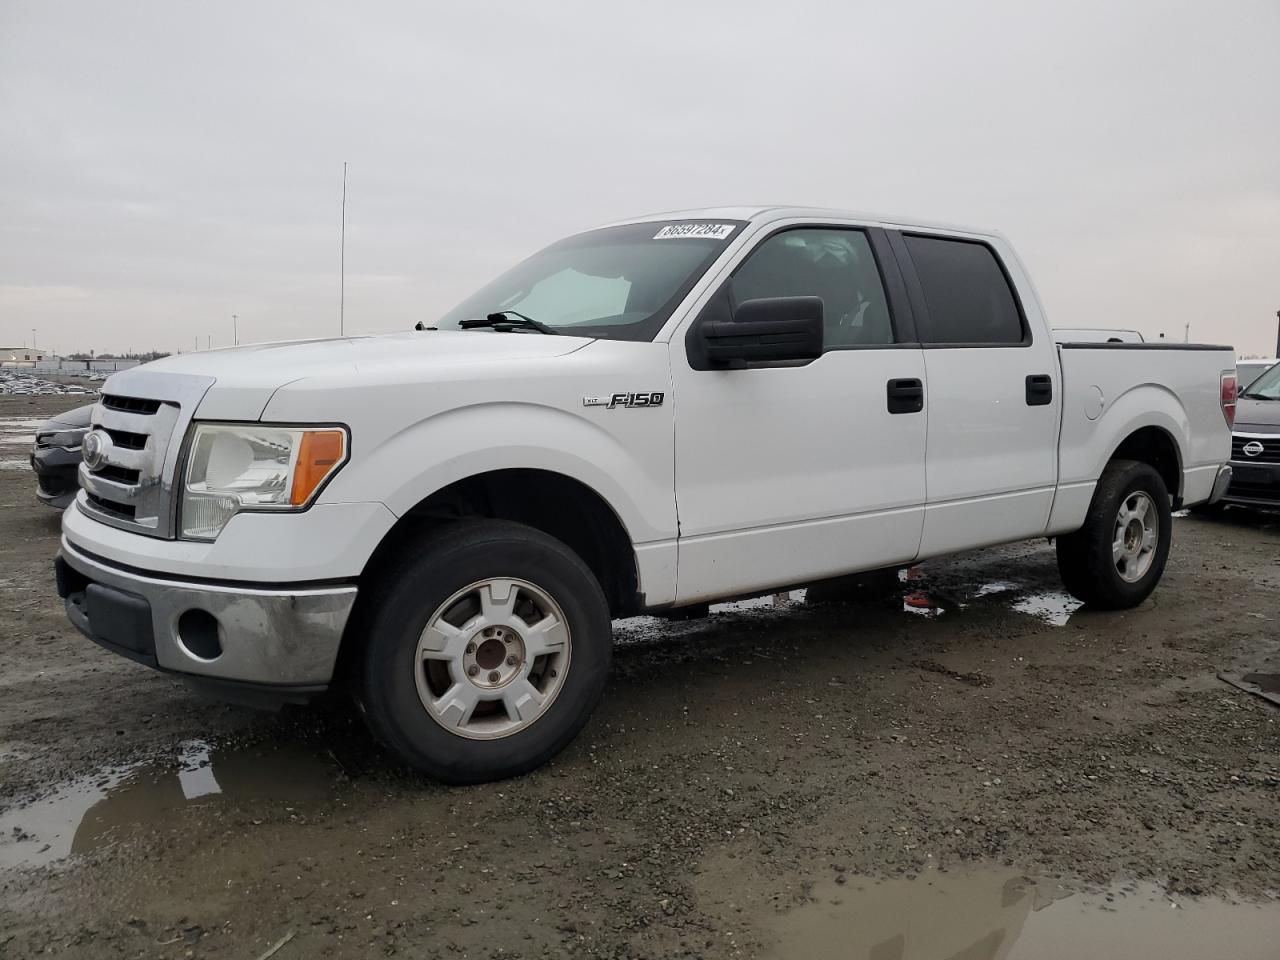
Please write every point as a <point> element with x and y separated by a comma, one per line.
<point>1229,389</point>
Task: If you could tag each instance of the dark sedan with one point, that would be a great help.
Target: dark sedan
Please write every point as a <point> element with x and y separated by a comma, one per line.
<point>56,456</point>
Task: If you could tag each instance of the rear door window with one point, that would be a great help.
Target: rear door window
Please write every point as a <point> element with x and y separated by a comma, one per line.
<point>967,293</point>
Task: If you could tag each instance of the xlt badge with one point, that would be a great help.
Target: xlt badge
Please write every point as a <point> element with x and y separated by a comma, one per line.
<point>625,400</point>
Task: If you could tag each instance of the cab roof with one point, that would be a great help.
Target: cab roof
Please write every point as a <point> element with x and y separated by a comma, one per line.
<point>770,213</point>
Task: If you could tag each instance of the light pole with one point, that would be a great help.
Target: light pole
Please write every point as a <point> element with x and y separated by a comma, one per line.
<point>342,260</point>
<point>235,330</point>
<point>1278,333</point>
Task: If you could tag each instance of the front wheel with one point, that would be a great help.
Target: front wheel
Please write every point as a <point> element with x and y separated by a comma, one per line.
<point>485,653</point>
<point>1116,559</point>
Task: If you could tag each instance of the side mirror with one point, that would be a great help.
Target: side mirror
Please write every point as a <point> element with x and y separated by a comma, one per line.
<point>777,328</point>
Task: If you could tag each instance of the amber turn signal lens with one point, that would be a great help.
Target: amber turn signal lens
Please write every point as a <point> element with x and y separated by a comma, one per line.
<point>320,453</point>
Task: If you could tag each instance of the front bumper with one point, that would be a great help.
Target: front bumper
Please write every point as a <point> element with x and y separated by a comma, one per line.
<point>282,640</point>
<point>56,470</point>
<point>1254,484</point>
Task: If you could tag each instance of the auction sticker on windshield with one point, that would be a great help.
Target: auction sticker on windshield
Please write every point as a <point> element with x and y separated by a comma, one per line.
<point>680,231</point>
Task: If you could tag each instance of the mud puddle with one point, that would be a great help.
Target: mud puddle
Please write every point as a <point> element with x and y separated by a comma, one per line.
<point>772,601</point>
<point>998,914</point>
<point>1053,607</point>
<point>1050,606</point>
<point>916,599</point>
<point>116,803</point>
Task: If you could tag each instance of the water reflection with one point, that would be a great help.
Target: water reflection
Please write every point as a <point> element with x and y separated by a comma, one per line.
<point>117,802</point>
<point>916,596</point>
<point>1052,606</point>
<point>999,914</point>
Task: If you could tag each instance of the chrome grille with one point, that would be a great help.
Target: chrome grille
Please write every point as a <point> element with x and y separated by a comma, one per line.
<point>142,420</point>
<point>130,441</point>
<point>1270,448</point>
<point>130,404</point>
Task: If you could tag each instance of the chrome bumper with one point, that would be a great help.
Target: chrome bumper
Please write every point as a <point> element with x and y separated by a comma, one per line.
<point>242,634</point>
<point>1220,483</point>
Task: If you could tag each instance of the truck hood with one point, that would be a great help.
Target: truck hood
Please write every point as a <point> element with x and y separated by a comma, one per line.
<point>1258,416</point>
<point>244,378</point>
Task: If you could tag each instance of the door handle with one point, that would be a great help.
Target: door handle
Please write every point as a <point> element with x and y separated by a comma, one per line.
<point>905,396</point>
<point>1039,390</point>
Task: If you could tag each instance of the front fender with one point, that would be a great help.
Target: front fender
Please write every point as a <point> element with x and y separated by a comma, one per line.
<point>632,472</point>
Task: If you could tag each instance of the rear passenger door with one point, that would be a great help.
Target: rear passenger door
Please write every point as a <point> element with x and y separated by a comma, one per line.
<point>994,394</point>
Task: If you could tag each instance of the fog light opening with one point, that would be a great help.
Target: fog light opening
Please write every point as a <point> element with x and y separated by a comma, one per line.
<point>198,634</point>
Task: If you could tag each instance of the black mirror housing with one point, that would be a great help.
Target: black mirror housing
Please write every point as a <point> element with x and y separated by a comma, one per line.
<point>772,329</point>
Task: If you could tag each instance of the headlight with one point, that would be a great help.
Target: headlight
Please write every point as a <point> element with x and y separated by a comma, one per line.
<point>234,467</point>
<point>66,439</point>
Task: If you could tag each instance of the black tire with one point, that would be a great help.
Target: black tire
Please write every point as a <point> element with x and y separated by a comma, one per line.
<point>425,577</point>
<point>1085,558</point>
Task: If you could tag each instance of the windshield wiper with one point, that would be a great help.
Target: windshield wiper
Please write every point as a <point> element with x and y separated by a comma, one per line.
<point>506,321</point>
<point>1257,396</point>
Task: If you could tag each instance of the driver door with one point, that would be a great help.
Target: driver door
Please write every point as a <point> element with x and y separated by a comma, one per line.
<point>788,472</point>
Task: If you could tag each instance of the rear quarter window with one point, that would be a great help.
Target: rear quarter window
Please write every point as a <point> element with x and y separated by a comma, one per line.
<point>967,292</point>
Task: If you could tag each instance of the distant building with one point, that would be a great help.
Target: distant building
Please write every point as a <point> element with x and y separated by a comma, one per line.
<point>21,355</point>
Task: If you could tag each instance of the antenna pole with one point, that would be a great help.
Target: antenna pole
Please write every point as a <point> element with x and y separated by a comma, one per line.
<point>342,260</point>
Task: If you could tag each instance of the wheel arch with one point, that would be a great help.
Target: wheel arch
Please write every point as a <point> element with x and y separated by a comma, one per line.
<point>1156,446</point>
<point>1147,422</point>
<point>556,504</point>
<point>559,505</point>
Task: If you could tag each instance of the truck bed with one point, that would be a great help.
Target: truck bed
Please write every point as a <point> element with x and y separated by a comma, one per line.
<point>1111,389</point>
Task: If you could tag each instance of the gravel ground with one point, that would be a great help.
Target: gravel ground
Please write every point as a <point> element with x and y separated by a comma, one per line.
<point>737,761</point>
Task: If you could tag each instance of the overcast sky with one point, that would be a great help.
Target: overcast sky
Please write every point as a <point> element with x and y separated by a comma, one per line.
<point>165,165</point>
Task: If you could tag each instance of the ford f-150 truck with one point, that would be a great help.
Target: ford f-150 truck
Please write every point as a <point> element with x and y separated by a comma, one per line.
<point>642,417</point>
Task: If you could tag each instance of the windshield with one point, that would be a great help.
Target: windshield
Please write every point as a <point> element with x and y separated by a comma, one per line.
<point>1267,386</point>
<point>618,283</point>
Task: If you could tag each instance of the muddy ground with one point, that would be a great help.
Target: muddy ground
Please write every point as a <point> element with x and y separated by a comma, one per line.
<point>742,769</point>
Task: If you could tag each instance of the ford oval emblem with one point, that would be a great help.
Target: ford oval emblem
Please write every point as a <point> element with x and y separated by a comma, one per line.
<point>96,445</point>
<point>1253,448</point>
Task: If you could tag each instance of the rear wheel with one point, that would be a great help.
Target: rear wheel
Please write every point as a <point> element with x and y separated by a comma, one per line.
<point>1116,559</point>
<point>486,653</point>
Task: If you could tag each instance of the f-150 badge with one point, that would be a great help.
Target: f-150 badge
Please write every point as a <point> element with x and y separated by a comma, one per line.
<point>625,400</point>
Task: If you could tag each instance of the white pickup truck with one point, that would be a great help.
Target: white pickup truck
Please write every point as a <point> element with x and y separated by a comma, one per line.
<point>647,416</point>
